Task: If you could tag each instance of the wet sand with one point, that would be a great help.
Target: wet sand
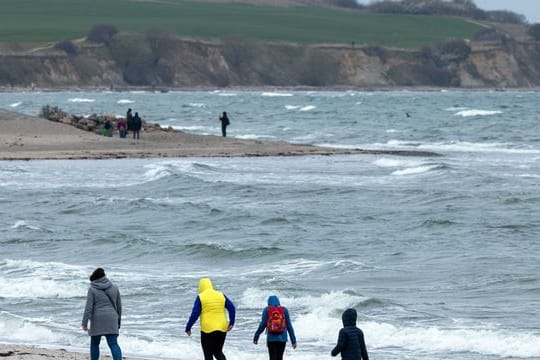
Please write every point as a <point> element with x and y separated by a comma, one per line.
<point>24,137</point>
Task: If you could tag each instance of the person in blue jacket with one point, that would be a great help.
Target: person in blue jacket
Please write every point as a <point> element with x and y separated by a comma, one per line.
<point>275,342</point>
<point>351,342</point>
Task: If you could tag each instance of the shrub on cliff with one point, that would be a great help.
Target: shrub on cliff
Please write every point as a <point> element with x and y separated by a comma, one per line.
<point>67,46</point>
<point>347,4</point>
<point>534,31</point>
<point>102,33</point>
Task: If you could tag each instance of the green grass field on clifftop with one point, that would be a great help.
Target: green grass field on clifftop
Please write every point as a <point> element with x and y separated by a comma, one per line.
<point>31,21</point>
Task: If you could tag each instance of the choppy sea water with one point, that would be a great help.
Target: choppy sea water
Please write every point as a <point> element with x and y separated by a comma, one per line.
<point>440,256</point>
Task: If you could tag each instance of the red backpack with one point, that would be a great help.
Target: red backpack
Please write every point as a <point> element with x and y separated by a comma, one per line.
<point>276,323</point>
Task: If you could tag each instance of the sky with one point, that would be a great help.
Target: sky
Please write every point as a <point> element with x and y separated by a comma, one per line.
<point>529,8</point>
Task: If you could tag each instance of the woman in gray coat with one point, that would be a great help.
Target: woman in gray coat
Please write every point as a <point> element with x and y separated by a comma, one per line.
<point>104,311</point>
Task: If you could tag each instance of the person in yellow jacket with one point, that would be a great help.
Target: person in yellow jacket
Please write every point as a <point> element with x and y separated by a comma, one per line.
<point>210,305</point>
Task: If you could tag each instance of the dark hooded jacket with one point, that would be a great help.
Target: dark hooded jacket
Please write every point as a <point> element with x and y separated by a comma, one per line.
<point>351,342</point>
<point>274,301</point>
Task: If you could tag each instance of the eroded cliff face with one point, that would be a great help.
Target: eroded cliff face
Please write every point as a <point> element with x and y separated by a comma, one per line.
<point>202,64</point>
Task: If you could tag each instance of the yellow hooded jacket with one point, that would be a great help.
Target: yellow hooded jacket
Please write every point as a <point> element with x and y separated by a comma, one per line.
<point>212,308</point>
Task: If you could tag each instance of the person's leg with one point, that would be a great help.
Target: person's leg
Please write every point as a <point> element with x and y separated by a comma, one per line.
<point>94,347</point>
<point>219,341</point>
<point>280,345</point>
<point>276,349</point>
<point>206,343</point>
<point>224,130</point>
<point>112,341</point>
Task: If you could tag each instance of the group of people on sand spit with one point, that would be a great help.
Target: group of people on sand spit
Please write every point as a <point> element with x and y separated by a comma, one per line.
<point>103,311</point>
<point>133,123</point>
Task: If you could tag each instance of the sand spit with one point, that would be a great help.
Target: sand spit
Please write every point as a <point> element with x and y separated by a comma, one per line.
<point>24,137</point>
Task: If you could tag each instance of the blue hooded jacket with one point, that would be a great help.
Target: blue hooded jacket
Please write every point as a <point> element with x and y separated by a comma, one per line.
<point>274,301</point>
<point>351,342</point>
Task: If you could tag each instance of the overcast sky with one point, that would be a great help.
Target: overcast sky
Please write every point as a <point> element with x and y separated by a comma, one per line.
<point>529,8</point>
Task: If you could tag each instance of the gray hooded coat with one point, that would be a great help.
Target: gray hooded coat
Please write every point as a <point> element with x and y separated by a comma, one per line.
<point>103,313</point>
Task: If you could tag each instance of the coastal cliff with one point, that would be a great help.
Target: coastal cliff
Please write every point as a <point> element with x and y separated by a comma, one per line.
<point>167,62</point>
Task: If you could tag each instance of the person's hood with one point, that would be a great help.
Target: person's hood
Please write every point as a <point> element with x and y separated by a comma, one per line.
<point>205,284</point>
<point>349,317</point>
<point>273,300</point>
<point>101,284</point>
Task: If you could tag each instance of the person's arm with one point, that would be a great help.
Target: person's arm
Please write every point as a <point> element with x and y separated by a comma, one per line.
<point>262,326</point>
<point>88,309</point>
<point>290,328</point>
<point>232,311</point>
<point>363,348</point>
<point>195,313</point>
<point>119,308</point>
<point>342,340</point>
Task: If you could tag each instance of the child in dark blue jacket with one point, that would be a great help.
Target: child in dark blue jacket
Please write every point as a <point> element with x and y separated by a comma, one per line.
<point>275,342</point>
<point>351,342</point>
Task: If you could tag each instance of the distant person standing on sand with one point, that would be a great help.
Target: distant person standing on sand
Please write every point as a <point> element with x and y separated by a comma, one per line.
<point>129,121</point>
<point>104,311</point>
<point>277,323</point>
<point>137,125</point>
<point>210,305</point>
<point>224,123</point>
<point>122,128</point>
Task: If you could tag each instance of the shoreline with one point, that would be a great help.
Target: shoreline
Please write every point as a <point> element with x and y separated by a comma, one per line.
<point>24,137</point>
<point>57,352</point>
<point>35,352</point>
<point>262,88</point>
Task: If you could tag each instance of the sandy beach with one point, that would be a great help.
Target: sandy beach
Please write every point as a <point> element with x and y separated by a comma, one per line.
<point>24,137</point>
<point>27,352</point>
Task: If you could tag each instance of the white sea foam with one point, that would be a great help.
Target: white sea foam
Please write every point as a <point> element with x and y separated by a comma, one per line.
<point>32,279</point>
<point>197,105</point>
<point>16,104</point>
<point>190,128</point>
<point>391,162</point>
<point>19,330</point>
<point>482,340</point>
<point>475,112</point>
<point>157,171</point>
<point>292,107</point>
<point>458,146</point>
<point>308,108</point>
<point>125,101</point>
<point>254,137</point>
<point>276,94</point>
<point>31,288</point>
<point>415,170</point>
<point>23,224</point>
<point>81,100</point>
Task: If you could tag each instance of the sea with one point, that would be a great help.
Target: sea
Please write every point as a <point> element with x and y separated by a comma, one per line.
<point>439,255</point>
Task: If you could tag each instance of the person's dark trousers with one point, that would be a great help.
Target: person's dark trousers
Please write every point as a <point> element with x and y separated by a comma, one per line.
<point>135,134</point>
<point>112,341</point>
<point>276,350</point>
<point>212,345</point>
<point>224,130</point>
